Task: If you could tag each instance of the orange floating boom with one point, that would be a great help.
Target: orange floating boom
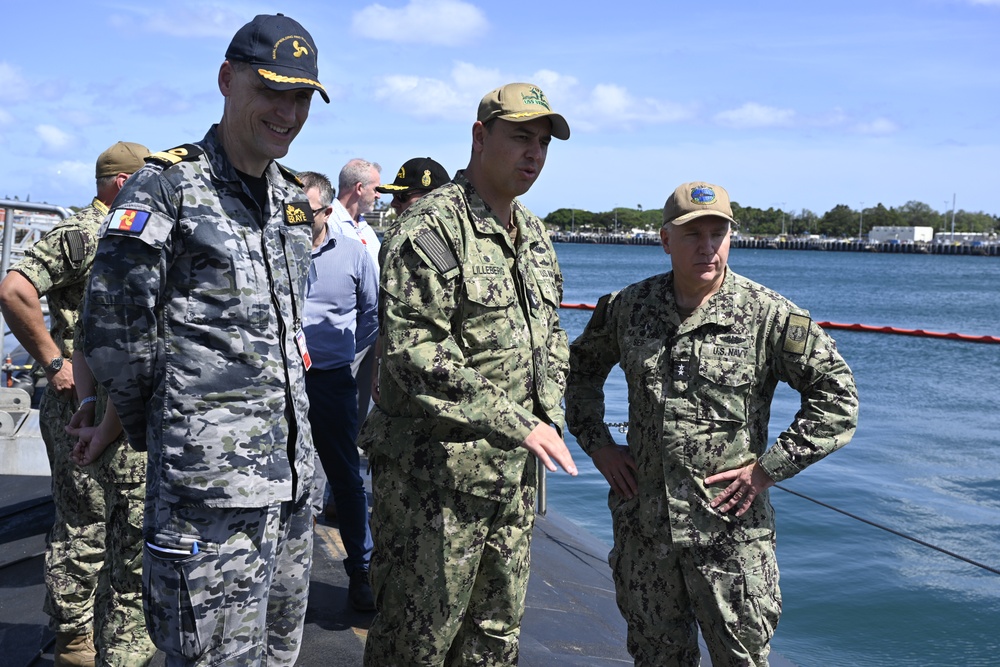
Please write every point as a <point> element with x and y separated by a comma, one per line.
<point>864,327</point>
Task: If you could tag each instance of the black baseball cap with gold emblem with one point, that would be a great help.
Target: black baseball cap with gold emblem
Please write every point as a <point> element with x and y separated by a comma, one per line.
<point>419,173</point>
<point>281,51</point>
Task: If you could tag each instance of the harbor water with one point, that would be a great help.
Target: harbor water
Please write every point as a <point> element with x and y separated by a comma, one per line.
<point>925,461</point>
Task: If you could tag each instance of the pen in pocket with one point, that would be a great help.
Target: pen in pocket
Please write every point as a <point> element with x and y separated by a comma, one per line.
<point>171,551</point>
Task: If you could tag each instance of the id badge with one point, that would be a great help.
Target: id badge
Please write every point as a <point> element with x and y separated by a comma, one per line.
<point>300,341</point>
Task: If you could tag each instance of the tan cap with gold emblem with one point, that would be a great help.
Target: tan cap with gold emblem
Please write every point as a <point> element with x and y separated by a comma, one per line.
<point>520,102</point>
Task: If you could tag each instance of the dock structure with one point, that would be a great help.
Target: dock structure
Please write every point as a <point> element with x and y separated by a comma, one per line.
<point>833,245</point>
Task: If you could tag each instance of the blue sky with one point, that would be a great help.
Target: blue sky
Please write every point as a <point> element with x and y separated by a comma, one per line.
<point>795,105</point>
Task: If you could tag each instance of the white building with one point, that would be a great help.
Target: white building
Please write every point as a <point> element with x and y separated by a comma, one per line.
<point>901,234</point>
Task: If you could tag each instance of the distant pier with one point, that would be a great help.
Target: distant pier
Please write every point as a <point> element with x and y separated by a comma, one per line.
<point>833,245</point>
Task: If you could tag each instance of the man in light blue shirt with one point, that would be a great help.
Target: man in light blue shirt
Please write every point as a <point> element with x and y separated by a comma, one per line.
<point>341,318</point>
<point>358,184</point>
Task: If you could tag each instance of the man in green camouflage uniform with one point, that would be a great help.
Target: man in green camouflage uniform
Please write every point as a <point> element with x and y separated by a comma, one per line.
<point>193,323</point>
<point>702,350</point>
<point>97,508</point>
<point>473,371</point>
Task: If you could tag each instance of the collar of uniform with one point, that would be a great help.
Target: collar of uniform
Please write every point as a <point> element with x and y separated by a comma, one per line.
<point>101,207</point>
<point>223,169</point>
<point>719,310</point>
<point>483,218</point>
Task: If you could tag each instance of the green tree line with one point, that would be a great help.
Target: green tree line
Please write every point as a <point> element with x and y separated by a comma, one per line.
<point>841,221</point>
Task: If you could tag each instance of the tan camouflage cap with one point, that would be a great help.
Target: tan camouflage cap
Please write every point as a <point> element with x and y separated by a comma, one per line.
<point>697,199</point>
<point>124,157</point>
<point>520,102</point>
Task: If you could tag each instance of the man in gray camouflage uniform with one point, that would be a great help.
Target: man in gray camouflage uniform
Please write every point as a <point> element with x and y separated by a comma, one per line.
<point>702,350</point>
<point>97,508</point>
<point>193,323</point>
<point>473,372</point>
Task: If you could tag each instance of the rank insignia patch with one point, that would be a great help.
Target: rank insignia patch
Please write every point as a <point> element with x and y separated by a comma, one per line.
<point>128,220</point>
<point>797,334</point>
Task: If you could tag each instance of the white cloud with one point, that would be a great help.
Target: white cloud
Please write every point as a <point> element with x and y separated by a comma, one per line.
<point>456,98</point>
<point>612,106</point>
<point>192,21</point>
<point>5,117</point>
<point>13,85</point>
<point>879,126</point>
<point>424,98</point>
<point>752,115</point>
<point>53,138</point>
<point>440,22</point>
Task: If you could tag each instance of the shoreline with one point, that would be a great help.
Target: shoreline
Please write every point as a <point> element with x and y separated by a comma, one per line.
<point>832,245</point>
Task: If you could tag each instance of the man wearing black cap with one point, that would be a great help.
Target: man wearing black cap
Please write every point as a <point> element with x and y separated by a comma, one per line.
<point>474,362</point>
<point>415,178</point>
<point>194,326</point>
<point>92,526</point>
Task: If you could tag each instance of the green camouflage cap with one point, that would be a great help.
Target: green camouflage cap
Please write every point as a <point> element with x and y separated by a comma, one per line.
<point>520,102</point>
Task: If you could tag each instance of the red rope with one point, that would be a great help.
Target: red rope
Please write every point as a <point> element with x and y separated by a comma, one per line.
<point>864,327</point>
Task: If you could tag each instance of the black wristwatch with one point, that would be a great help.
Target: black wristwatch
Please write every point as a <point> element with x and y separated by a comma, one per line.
<point>55,365</point>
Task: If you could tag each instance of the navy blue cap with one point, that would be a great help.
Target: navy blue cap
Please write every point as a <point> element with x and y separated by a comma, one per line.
<point>281,51</point>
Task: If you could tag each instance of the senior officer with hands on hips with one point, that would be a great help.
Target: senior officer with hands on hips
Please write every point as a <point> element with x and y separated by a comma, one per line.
<point>473,372</point>
<point>702,349</point>
<point>193,323</point>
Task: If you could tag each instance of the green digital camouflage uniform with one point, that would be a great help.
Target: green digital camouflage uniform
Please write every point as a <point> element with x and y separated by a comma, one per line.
<point>191,320</point>
<point>699,402</point>
<point>98,508</point>
<point>473,359</point>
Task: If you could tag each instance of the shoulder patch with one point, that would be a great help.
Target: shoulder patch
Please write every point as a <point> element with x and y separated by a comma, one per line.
<point>290,175</point>
<point>74,243</point>
<point>797,334</point>
<point>127,221</point>
<point>298,213</point>
<point>175,155</point>
<point>436,250</point>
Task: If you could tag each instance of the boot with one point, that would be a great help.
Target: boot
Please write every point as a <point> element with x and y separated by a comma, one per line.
<point>74,650</point>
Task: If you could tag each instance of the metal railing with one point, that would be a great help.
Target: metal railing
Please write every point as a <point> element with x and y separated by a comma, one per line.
<point>24,223</point>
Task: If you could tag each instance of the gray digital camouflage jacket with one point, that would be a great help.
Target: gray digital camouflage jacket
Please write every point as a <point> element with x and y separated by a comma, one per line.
<point>700,397</point>
<point>473,354</point>
<point>190,321</point>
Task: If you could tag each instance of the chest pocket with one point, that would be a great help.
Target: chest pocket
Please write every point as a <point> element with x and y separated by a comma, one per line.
<point>641,363</point>
<point>226,279</point>
<point>490,319</point>
<point>722,388</point>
